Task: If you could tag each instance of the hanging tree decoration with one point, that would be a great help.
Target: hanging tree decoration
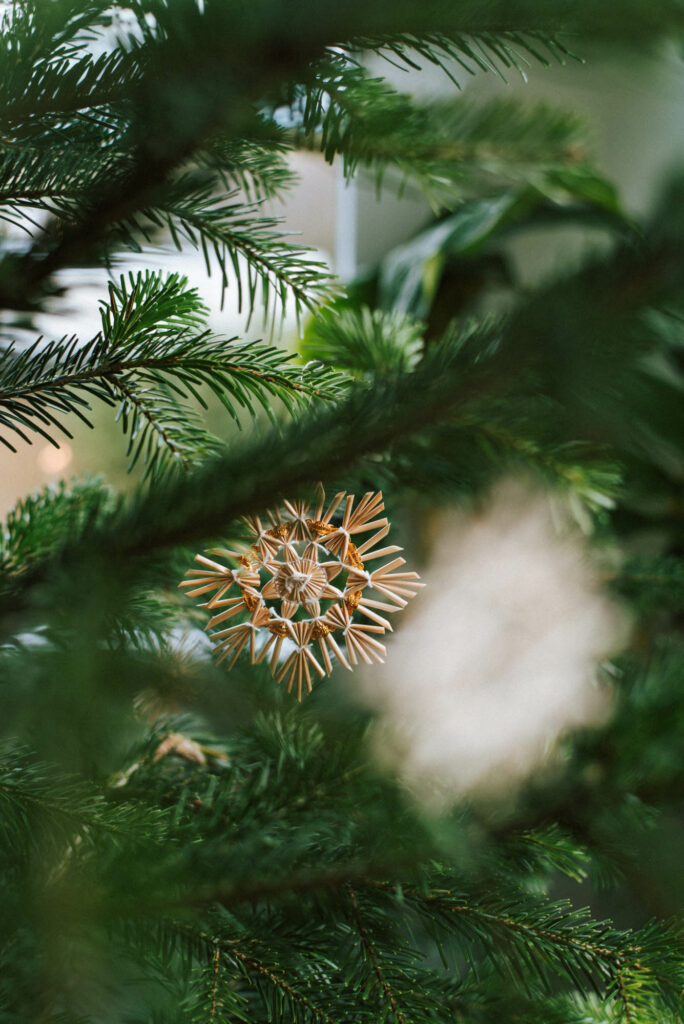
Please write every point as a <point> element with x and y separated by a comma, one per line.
<point>298,593</point>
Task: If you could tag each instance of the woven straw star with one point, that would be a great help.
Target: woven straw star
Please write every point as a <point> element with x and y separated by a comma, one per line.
<point>282,590</point>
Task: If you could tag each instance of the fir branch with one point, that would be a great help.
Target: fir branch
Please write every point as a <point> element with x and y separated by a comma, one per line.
<point>363,341</point>
<point>216,965</point>
<point>257,165</point>
<point>157,424</point>
<point>402,19</point>
<point>448,379</point>
<point>547,935</point>
<point>66,87</point>
<point>38,524</point>
<point>623,992</point>
<point>592,481</point>
<point>313,447</point>
<point>228,229</point>
<point>546,849</point>
<point>150,353</point>
<point>230,951</point>
<point>357,872</point>
<point>158,145</point>
<point>42,803</point>
<point>345,111</point>
<point>49,177</point>
<point>294,997</point>
<point>319,444</point>
<point>497,52</point>
<point>373,957</point>
<point>32,32</point>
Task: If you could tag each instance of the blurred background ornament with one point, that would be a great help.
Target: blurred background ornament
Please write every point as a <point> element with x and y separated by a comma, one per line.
<point>517,623</point>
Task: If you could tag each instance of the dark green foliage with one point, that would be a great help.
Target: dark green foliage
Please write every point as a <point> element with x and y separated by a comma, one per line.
<point>38,523</point>
<point>346,112</point>
<point>152,354</point>
<point>179,845</point>
<point>368,342</point>
<point>477,51</point>
<point>412,276</point>
<point>654,582</point>
<point>229,230</point>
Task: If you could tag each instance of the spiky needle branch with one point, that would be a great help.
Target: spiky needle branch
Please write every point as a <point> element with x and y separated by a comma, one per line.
<point>152,354</point>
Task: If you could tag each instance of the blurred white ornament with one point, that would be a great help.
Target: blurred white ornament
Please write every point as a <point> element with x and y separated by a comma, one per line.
<point>54,460</point>
<point>500,656</point>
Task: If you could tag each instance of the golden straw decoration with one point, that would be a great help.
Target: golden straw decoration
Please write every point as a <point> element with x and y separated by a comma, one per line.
<point>280,600</point>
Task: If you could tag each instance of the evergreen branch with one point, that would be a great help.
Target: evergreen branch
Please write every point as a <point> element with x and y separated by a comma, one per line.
<point>309,449</point>
<point>158,422</point>
<point>281,984</point>
<point>372,955</point>
<point>159,144</point>
<point>216,962</point>
<point>32,33</point>
<point>577,934</point>
<point>359,873</point>
<point>64,87</point>
<point>229,950</point>
<point>546,937</point>
<point>147,354</point>
<point>547,848</point>
<point>251,476</point>
<point>157,147</point>
<point>39,800</point>
<point>552,936</point>
<point>623,993</point>
<point>364,342</point>
<point>404,20</point>
<point>258,166</point>
<point>38,524</point>
<point>481,51</point>
<point>230,229</point>
<point>50,177</point>
<point>344,110</point>
<point>319,445</point>
<point>449,378</point>
<point>590,480</point>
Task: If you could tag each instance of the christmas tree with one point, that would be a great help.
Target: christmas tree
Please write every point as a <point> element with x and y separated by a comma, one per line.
<point>183,839</point>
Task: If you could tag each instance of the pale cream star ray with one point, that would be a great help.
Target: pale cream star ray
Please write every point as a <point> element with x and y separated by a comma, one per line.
<point>235,638</point>
<point>265,542</point>
<point>360,644</point>
<point>297,666</point>
<point>298,512</point>
<point>218,577</point>
<point>397,586</point>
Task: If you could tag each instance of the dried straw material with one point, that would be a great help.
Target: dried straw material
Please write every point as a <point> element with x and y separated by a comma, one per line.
<point>296,594</point>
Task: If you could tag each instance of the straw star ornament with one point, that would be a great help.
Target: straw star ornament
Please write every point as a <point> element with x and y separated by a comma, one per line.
<point>297,594</point>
